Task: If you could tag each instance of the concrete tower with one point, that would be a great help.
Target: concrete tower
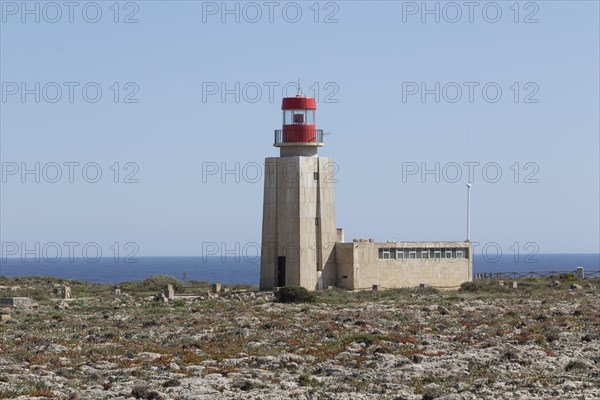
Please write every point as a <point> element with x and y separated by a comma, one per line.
<point>299,232</point>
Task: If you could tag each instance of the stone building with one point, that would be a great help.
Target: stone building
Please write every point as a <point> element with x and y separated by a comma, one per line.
<point>301,244</point>
<point>361,264</point>
<point>25,302</point>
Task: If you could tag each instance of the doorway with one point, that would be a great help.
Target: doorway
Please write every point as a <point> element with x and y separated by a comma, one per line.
<point>280,271</point>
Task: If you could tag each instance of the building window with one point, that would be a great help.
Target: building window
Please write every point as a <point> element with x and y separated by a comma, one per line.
<point>316,176</point>
<point>399,254</point>
<point>390,254</point>
<point>386,254</point>
<point>421,253</point>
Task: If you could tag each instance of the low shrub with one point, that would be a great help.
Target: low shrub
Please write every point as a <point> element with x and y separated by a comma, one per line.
<point>366,338</point>
<point>154,283</point>
<point>576,365</point>
<point>471,286</point>
<point>568,277</point>
<point>294,294</point>
<point>484,286</point>
<point>307,380</point>
<point>141,392</point>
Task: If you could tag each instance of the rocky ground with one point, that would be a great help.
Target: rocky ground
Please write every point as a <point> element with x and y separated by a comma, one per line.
<point>538,341</point>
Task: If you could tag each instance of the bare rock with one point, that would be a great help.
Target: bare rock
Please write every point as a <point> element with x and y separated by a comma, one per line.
<point>62,305</point>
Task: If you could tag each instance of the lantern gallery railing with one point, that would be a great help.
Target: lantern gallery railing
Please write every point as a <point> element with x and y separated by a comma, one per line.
<point>313,135</point>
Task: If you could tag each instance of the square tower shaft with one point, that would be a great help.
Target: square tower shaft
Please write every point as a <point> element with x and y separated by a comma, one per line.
<point>299,231</point>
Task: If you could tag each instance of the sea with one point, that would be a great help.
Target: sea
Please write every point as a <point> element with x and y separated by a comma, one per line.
<point>239,270</point>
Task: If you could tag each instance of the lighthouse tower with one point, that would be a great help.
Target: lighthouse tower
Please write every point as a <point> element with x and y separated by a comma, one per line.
<point>299,232</point>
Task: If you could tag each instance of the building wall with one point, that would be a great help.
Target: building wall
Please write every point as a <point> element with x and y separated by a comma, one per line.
<point>298,221</point>
<point>344,253</point>
<point>359,266</point>
<point>327,230</point>
<point>268,260</point>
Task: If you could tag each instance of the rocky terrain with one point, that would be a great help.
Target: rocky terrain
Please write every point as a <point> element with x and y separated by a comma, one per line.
<point>540,340</point>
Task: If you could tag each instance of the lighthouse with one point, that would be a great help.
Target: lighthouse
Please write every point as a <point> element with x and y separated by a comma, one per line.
<point>300,242</point>
<point>298,232</point>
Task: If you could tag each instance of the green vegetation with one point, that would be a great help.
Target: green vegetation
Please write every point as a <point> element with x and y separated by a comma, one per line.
<point>490,286</point>
<point>30,389</point>
<point>294,294</point>
<point>341,296</point>
<point>567,277</point>
<point>155,283</point>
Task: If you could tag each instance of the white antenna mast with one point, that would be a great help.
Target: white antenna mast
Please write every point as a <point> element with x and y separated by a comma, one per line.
<point>469,212</point>
<point>469,188</point>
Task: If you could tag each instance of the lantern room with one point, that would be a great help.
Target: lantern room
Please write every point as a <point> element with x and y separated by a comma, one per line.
<point>299,116</point>
<point>299,125</point>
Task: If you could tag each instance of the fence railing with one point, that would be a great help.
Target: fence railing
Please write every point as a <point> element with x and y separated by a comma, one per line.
<point>533,274</point>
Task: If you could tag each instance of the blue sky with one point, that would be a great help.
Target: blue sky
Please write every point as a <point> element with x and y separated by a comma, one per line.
<point>366,67</point>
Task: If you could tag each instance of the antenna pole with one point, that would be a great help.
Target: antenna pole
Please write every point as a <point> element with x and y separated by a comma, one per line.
<point>299,92</point>
<point>469,212</point>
